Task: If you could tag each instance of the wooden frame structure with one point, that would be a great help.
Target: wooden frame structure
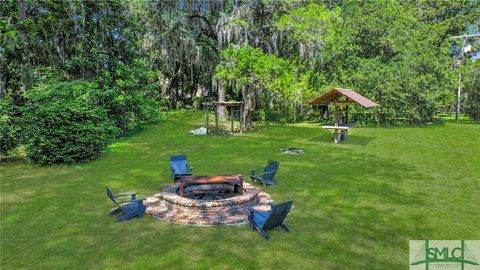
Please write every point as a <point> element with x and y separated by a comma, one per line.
<point>341,97</point>
<point>232,105</point>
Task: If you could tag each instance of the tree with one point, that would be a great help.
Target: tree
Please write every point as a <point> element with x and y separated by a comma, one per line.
<point>251,72</point>
<point>388,54</point>
<point>472,89</point>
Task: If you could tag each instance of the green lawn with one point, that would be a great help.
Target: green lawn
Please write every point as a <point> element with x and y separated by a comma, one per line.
<point>356,204</point>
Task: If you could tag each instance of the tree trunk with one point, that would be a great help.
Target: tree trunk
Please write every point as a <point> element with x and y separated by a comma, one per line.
<point>249,104</point>
<point>22,14</point>
<point>221,98</point>
<point>200,90</point>
<point>171,82</point>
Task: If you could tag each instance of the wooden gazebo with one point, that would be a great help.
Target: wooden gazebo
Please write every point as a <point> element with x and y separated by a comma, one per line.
<point>232,104</point>
<point>341,97</point>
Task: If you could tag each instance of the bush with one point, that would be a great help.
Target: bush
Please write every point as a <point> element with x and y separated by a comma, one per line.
<point>8,130</point>
<point>62,123</point>
<point>129,95</point>
<point>472,90</point>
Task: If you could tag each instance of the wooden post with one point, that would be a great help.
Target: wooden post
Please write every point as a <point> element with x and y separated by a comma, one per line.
<point>336,115</point>
<point>216,118</point>
<point>231,117</point>
<point>346,115</point>
<point>335,134</point>
<point>206,115</point>
<point>241,119</point>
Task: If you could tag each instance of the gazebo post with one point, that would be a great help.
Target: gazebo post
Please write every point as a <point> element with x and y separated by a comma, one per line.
<point>241,120</point>
<point>216,118</point>
<point>231,117</point>
<point>336,136</point>
<point>346,113</point>
<point>336,115</point>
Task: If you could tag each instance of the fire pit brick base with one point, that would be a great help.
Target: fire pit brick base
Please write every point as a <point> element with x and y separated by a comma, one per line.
<point>168,205</point>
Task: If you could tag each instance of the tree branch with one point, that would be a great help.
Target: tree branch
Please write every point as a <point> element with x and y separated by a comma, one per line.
<point>211,32</point>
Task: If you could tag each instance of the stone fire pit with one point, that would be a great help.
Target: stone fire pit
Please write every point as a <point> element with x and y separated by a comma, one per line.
<point>217,209</point>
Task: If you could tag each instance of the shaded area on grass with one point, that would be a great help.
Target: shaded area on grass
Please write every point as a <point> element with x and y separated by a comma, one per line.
<point>356,205</point>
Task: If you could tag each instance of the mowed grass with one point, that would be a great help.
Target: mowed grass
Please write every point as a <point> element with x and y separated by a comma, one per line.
<point>356,205</point>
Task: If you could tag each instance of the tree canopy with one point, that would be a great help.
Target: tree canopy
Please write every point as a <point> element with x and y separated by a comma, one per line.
<point>271,54</point>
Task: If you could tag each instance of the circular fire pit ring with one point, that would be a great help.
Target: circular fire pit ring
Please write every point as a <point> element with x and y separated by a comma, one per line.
<point>170,206</point>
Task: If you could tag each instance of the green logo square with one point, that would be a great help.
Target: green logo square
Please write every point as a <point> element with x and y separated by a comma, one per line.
<point>444,255</point>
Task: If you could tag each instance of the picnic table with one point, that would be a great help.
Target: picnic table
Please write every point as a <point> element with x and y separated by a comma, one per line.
<point>341,131</point>
<point>341,97</point>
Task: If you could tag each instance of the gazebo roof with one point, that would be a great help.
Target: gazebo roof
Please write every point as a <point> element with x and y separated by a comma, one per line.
<point>335,93</point>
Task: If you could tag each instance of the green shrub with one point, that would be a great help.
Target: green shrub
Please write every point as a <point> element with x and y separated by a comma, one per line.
<point>197,102</point>
<point>129,95</point>
<point>8,129</point>
<point>62,123</point>
<point>472,90</point>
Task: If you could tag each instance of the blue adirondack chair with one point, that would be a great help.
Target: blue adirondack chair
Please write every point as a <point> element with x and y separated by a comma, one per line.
<point>179,166</point>
<point>268,175</point>
<point>129,208</point>
<point>268,220</point>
